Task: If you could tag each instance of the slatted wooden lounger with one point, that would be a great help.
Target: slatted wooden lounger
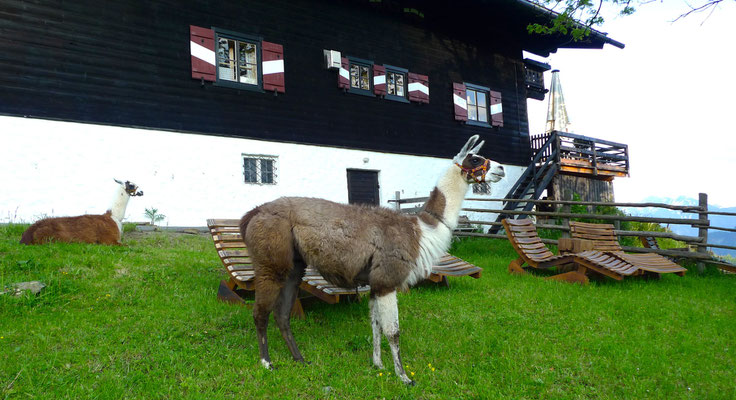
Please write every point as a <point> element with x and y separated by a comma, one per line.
<point>531,250</point>
<point>604,239</point>
<point>234,256</point>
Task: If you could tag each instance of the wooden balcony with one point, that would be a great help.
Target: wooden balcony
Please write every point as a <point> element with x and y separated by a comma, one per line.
<point>583,155</point>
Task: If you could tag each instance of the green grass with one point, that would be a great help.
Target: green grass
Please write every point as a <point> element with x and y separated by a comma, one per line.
<point>142,321</point>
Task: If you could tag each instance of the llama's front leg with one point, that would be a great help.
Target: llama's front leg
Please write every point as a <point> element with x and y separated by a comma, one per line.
<point>388,314</point>
<point>376,326</point>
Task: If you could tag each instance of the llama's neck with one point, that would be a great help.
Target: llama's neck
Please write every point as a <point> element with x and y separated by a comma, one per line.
<point>447,198</point>
<point>444,206</point>
<point>119,204</point>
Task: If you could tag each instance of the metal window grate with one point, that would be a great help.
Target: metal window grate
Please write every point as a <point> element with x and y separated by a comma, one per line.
<point>481,188</point>
<point>260,169</point>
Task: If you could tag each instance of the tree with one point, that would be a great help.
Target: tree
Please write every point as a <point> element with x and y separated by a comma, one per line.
<point>577,17</point>
<point>153,215</point>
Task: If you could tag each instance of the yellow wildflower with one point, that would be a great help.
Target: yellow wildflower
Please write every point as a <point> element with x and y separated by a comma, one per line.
<point>412,374</point>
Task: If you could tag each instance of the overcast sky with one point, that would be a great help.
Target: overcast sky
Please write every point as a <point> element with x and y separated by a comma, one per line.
<point>670,94</point>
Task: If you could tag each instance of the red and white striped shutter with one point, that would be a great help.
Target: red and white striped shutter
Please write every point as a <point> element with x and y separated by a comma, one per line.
<point>460,100</point>
<point>272,57</point>
<point>379,80</point>
<point>418,87</point>
<point>202,49</point>
<point>343,76</point>
<point>496,109</point>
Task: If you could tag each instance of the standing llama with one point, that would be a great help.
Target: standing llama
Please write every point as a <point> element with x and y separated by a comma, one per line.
<point>353,245</point>
<point>103,229</point>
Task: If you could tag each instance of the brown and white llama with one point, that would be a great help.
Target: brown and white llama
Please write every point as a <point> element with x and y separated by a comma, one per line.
<point>103,229</point>
<point>354,245</point>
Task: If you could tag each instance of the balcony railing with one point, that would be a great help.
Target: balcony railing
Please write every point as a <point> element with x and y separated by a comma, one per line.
<point>583,155</point>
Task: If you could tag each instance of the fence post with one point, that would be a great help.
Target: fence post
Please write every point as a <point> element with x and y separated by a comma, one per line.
<point>703,229</point>
<point>565,221</point>
<point>398,198</point>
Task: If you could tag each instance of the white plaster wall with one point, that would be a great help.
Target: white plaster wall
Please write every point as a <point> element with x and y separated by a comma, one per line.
<point>52,168</point>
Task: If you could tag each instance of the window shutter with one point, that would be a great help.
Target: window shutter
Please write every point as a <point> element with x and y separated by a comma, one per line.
<point>343,76</point>
<point>379,80</point>
<point>496,109</point>
<point>460,100</point>
<point>418,87</point>
<point>272,56</point>
<point>202,49</point>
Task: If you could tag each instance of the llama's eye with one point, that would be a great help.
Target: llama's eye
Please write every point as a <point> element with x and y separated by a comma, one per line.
<point>475,160</point>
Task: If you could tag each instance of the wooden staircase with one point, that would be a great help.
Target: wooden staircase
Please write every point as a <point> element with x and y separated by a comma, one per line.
<point>530,185</point>
<point>563,153</point>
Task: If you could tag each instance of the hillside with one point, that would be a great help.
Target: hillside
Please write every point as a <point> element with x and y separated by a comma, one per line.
<point>715,237</point>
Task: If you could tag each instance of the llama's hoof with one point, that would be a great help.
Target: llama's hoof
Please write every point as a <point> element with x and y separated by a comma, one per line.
<point>378,365</point>
<point>303,362</point>
<point>267,364</point>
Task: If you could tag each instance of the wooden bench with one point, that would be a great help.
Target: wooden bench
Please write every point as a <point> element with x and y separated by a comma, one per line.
<point>235,258</point>
<point>604,239</point>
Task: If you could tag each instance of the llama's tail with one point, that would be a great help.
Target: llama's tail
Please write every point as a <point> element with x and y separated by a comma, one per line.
<point>27,237</point>
<point>246,220</point>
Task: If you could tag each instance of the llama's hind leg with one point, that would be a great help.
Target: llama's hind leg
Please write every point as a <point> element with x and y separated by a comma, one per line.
<point>376,327</point>
<point>267,291</point>
<point>388,314</point>
<point>284,304</point>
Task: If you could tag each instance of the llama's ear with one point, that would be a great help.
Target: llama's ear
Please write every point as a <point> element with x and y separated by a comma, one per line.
<point>464,151</point>
<point>118,182</point>
<point>476,149</point>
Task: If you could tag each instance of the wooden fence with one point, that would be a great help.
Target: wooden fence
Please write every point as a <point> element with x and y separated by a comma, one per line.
<point>562,213</point>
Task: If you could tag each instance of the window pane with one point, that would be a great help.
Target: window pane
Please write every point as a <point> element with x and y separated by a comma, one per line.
<point>226,59</point>
<point>400,85</point>
<point>248,62</point>
<point>481,99</point>
<point>354,76</point>
<point>266,171</point>
<point>482,113</point>
<point>250,170</point>
<point>390,83</point>
<point>472,112</point>
<point>364,83</point>
<point>471,96</point>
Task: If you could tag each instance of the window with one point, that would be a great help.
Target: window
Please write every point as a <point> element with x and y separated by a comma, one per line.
<point>477,97</point>
<point>360,76</point>
<point>481,188</point>
<point>396,83</point>
<point>238,58</point>
<point>258,169</point>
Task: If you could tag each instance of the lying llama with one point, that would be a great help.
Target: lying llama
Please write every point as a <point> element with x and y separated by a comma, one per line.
<point>354,245</point>
<point>103,229</point>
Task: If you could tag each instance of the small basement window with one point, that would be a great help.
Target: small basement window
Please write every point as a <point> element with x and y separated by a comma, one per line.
<point>360,76</point>
<point>259,169</point>
<point>478,100</point>
<point>396,83</point>
<point>238,58</point>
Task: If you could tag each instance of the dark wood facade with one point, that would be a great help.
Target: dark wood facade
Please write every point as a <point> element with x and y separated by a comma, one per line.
<point>127,63</point>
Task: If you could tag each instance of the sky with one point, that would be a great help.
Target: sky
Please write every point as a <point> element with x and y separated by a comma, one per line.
<point>670,95</point>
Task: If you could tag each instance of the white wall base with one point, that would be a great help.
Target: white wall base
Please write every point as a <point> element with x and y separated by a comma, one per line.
<point>53,168</point>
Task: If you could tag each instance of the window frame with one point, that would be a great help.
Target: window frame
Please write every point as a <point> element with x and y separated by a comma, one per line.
<point>405,73</point>
<point>487,92</point>
<point>363,63</point>
<point>259,170</point>
<point>241,37</point>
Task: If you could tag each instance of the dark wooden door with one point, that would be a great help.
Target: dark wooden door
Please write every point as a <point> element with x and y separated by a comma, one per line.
<point>363,187</point>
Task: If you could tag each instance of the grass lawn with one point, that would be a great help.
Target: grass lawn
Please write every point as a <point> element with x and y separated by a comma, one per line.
<point>142,321</point>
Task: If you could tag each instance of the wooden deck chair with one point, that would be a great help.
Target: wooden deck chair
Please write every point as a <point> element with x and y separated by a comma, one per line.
<point>234,256</point>
<point>605,240</point>
<point>528,245</point>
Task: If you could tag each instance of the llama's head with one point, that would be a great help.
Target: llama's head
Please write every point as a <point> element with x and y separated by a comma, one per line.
<point>130,188</point>
<point>474,167</point>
